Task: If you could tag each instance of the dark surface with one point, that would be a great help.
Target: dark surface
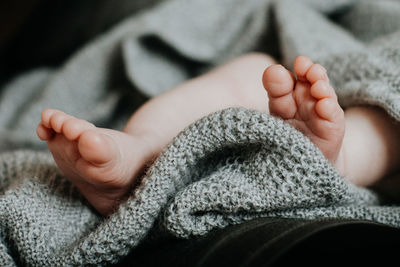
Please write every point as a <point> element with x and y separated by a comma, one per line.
<point>36,33</point>
<point>278,242</point>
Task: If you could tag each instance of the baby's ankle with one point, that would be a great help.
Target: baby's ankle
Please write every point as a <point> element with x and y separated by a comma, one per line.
<point>146,143</point>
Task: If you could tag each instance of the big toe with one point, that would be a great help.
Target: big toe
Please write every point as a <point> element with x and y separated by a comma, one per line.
<point>97,148</point>
<point>279,83</point>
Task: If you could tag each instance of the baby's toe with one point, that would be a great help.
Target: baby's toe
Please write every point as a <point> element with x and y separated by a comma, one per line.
<point>46,116</point>
<point>74,127</point>
<point>321,89</point>
<point>43,132</point>
<point>329,109</point>
<point>57,120</point>
<point>316,73</point>
<point>279,83</point>
<point>301,66</point>
<point>327,106</point>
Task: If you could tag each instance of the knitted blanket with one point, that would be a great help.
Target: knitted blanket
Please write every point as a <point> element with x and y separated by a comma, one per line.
<point>229,167</point>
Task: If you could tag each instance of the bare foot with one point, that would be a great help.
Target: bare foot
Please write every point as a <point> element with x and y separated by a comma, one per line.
<point>309,103</point>
<point>102,163</point>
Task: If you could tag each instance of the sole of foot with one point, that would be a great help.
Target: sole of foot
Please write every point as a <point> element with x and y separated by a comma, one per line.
<point>102,163</point>
<point>307,101</point>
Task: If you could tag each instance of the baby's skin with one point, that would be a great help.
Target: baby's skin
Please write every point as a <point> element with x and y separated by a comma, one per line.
<point>308,103</point>
<point>105,164</point>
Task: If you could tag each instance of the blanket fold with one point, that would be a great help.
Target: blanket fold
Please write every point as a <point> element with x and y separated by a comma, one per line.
<point>230,166</point>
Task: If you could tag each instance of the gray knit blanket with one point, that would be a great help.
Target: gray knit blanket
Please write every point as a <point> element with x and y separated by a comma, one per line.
<point>229,167</point>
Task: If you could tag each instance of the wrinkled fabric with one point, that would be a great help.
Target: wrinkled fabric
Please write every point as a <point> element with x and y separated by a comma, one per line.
<point>229,167</point>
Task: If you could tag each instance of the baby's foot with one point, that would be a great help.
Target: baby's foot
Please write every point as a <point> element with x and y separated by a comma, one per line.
<point>102,163</point>
<point>308,103</point>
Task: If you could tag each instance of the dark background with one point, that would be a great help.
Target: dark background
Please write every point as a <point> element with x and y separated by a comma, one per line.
<point>37,33</point>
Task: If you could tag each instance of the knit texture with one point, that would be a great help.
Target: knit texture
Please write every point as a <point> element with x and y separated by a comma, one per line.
<point>231,166</point>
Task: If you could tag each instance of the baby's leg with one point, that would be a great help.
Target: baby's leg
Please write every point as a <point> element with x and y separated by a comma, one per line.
<point>371,145</point>
<point>238,83</point>
<point>104,164</point>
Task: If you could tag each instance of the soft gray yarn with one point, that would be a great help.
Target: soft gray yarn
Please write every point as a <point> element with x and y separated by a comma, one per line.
<point>231,166</point>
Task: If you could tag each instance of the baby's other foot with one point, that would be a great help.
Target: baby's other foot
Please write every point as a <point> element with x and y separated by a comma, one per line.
<point>102,163</point>
<point>309,103</point>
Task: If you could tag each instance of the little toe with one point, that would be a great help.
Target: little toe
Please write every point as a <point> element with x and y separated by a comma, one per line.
<point>329,109</point>
<point>73,128</point>
<point>57,120</point>
<point>322,89</point>
<point>43,132</point>
<point>278,81</point>
<point>97,148</point>
<point>301,66</point>
<point>316,72</point>
<point>46,115</point>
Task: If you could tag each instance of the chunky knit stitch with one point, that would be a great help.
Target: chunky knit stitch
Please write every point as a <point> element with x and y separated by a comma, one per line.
<point>229,167</point>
